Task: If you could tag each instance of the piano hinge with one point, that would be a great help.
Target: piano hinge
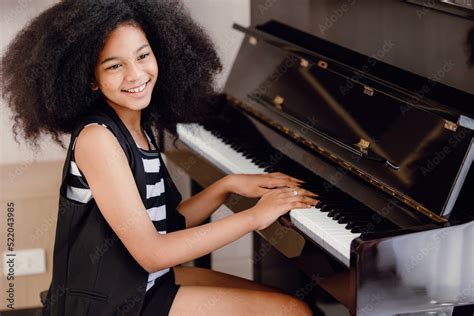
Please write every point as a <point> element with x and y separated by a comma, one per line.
<point>450,125</point>
<point>253,40</point>
<point>346,165</point>
<point>322,64</point>
<point>278,102</point>
<point>369,91</point>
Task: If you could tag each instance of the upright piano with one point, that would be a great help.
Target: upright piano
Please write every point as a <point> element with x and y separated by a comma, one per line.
<point>388,151</point>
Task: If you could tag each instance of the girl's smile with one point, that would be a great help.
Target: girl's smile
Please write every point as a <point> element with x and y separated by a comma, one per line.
<point>138,91</point>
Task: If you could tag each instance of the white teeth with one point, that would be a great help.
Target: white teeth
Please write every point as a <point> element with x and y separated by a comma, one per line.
<point>138,89</point>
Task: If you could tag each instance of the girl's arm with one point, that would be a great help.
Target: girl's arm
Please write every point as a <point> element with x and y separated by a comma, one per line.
<point>104,164</point>
<point>201,205</point>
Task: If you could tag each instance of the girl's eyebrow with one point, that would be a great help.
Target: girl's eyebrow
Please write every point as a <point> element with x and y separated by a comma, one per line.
<point>111,58</point>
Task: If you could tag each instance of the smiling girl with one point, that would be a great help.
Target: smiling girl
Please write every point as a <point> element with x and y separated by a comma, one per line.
<point>105,72</point>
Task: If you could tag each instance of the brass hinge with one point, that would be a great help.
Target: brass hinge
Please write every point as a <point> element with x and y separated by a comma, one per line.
<point>322,64</point>
<point>278,102</point>
<point>253,40</point>
<point>369,91</point>
<point>304,63</point>
<point>363,145</point>
<point>450,125</point>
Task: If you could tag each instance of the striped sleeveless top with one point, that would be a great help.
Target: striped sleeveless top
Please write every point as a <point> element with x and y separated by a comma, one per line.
<point>79,191</point>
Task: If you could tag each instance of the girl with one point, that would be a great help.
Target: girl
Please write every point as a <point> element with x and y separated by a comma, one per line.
<point>104,72</point>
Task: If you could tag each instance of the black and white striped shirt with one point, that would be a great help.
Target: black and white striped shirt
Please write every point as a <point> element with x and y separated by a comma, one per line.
<point>79,191</point>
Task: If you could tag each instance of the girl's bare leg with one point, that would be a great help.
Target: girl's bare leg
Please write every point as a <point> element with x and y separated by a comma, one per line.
<point>205,277</point>
<point>207,292</point>
<point>213,300</point>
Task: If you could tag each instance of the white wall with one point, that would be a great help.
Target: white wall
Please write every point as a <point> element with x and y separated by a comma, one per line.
<point>14,15</point>
<point>216,16</point>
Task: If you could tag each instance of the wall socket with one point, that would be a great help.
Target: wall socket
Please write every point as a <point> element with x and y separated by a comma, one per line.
<point>24,262</point>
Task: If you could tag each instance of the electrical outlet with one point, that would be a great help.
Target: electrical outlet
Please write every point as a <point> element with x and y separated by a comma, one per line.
<point>24,262</point>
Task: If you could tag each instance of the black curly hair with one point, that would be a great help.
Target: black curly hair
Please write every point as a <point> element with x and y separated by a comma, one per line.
<point>47,69</point>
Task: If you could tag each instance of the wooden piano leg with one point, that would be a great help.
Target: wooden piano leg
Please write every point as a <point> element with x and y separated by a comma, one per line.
<point>338,285</point>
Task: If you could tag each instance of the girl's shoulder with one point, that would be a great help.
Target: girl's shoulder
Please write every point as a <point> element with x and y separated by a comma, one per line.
<point>81,127</point>
<point>96,117</point>
<point>76,183</point>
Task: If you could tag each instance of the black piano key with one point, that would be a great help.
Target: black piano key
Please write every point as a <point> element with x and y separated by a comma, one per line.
<point>353,224</point>
<point>346,219</point>
<point>352,212</point>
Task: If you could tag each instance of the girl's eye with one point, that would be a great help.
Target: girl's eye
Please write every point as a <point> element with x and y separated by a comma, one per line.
<point>113,67</point>
<point>143,56</point>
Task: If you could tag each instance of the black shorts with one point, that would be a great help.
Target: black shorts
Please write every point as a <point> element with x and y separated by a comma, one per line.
<point>160,297</point>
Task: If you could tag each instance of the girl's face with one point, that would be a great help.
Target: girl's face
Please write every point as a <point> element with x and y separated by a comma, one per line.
<point>127,69</point>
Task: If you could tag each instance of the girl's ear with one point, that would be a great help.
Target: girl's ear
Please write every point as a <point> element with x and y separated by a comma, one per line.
<point>94,86</point>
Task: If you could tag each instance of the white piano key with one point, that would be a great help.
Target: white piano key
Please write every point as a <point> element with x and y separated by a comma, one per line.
<point>326,232</point>
<point>216,150</point>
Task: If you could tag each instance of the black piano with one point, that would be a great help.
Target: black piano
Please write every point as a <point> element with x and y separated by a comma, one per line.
<point>388,151</point>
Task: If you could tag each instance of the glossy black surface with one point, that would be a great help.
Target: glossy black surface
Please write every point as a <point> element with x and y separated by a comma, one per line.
<point>422,41</point>
<point>410,149</point>
<point>422,88</point>
<point>430,271</point>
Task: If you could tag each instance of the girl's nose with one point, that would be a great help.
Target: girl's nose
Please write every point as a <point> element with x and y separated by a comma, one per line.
<point>133,73</point>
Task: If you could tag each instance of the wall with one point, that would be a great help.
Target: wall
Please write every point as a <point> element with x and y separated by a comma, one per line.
<point>14,15</point>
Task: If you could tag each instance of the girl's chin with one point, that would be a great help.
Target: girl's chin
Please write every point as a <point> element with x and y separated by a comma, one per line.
<point>130,104</point>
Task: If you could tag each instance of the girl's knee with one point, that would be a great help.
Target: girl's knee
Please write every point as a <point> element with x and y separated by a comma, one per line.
<point>290,305</point>
<point>304,309</point>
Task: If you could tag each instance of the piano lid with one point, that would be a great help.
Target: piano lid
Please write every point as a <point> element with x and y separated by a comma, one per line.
<point>364,116</point>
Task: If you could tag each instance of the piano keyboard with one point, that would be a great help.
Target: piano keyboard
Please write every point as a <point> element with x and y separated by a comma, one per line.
<point>332,224</point>
<point>216,150</point>
<point>327,233</point>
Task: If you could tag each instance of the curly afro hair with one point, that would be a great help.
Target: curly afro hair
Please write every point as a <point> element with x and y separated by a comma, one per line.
<point>47,69</point>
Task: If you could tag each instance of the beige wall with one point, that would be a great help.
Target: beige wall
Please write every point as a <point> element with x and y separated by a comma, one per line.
<point>35,200</point>
<point>31,179</point>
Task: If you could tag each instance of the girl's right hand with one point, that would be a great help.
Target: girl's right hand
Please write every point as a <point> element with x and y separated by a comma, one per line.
<point>277,202</point>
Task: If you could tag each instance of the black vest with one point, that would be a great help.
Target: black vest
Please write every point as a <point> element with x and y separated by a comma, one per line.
<point>93,272</point>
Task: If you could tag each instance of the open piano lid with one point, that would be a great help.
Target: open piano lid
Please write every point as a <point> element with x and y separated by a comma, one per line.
<point>401,132</point>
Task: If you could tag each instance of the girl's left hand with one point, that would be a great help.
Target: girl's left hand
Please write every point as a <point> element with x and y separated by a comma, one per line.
<point>256,185</point>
